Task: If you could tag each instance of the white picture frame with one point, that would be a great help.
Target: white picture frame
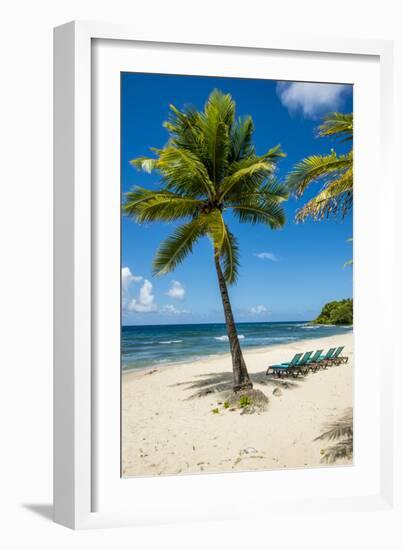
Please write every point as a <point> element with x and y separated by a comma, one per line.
<point>88,491</point>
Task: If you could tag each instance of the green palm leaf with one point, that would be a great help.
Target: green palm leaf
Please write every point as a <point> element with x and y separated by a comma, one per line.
<point>175,248</point>
<point>230,257</point>
<point>334,171</point>
<point>263,206</point>
<point>148,206</point>
<point>314,167</point>
<point>338,124</point>
<point>183,172</point>
<point>336,196</point>
<point>242,139</point>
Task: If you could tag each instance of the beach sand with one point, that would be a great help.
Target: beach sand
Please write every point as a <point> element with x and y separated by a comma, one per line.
<point>168,426</point>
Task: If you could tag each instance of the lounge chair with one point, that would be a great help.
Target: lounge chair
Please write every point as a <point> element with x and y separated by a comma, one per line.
<point>301,366</point>
<point>325,360</point>
<point>282,369</point>
<point>337,358</point>
<point>313,363</point>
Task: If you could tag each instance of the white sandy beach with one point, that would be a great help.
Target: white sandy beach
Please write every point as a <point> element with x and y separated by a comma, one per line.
<point>168,426</point>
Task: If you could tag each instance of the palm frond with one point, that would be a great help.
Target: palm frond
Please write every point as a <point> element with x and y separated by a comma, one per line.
<point>145,205</point>
<point>183,172</point>
<point>216,126</point>
<point>175,248</point>
<point>336,197</point>
<point>230,257</point>
<point>242,139</point>
<point>247,178</point>
<point>269,212</point>
<point>315,167</point>
<point>261,206</point>
<point>184,129</point>
<point>225,244</point>
<point>337,124</point>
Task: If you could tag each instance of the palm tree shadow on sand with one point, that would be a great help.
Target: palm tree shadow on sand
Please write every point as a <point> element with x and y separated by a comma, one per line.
<point>217,382</point>
<point>340,432</point>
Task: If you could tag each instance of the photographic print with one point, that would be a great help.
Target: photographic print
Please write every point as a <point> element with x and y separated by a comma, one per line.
<point>236,266</point>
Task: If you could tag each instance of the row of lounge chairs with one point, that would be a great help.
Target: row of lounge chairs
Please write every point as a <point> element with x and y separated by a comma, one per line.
<point>302,363</point>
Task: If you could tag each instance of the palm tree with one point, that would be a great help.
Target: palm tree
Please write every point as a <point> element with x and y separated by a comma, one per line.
<point>209,167</point>
<point>333,170</point>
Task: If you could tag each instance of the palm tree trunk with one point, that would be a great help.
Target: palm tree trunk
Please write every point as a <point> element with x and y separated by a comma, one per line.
<point>241,376</point>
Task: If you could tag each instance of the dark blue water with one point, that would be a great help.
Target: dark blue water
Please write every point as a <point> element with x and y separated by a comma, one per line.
<point>146,346</point>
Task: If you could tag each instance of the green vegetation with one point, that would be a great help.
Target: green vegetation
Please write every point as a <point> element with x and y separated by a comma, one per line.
<point>226,405</point>
<point>215,411</point>
<point>333,172</point>
<point>245,401</point>
<point>336,313</point>
<point>208,168</point>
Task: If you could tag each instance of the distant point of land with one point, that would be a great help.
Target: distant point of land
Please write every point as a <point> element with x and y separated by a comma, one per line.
<point>336,313</point>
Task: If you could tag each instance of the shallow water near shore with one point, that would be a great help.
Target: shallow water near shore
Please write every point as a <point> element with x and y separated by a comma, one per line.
<point>150,346</point>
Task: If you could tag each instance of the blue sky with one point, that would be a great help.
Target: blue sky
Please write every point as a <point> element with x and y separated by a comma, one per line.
<point>286,274</point>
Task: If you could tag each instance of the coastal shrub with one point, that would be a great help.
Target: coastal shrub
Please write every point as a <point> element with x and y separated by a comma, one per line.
<point>226,405</point>
<point>215,411</point>
<point>336,313</point>
<point>244,401</point>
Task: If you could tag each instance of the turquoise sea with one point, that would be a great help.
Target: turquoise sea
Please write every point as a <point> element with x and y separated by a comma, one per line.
<point>149,346</point>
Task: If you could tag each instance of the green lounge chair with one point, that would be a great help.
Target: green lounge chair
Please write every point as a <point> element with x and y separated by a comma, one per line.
<point>324,360</point>
<point>337,358</point>
<point>301,366</point>
<point>282,369</point>
<point>313,363</point>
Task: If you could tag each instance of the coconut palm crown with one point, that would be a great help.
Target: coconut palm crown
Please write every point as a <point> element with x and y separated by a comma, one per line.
<point>334,171</point>
<point>208,168</point>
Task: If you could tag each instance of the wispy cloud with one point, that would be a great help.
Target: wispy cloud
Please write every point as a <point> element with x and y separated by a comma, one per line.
<point>266,256</point>
<point>310,98</point>
<point>259,310</point>
<point>176,291</point>
<point>172,310</point>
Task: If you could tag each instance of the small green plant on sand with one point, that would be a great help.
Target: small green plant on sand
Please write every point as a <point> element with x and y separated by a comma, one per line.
<point>215,411</point>
<point>226,405</point>
<point>244,401</point>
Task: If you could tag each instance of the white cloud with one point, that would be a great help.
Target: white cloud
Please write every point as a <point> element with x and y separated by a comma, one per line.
<point>176,291</point>
<point>172,310</point>
<point>145,302</point>
<point>266,256</point>
<point>259,310</point>
<point>127,279</point>
<point>310,98</point>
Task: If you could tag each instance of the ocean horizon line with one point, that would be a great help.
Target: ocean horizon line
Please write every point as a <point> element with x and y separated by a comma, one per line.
<point>216,323</point>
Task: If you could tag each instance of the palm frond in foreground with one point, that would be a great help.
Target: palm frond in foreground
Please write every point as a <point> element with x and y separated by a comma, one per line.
<point>334,171</point>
